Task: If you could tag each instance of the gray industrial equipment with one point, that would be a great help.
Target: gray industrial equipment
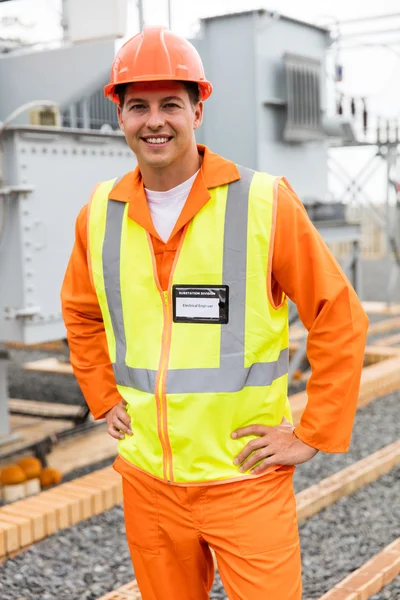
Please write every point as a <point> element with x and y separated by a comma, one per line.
<point>49,174</point>
<point>64,75</point>
<point>258,62</point>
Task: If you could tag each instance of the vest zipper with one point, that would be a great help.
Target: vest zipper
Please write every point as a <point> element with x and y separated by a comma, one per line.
<point>161,383</point>
<point>162,391</point>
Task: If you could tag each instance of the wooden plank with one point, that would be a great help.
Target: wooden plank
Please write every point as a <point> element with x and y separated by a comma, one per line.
<point>371,577</point>
<point>130,591</point>
<point>33,430</point>
<point>61,509</point>
<point>46,408</point>
<point>390,340</point>
<point>54,346</point>
<point>23,525</point>
<point>74,453</point>
<point>26,511</point>
<point>9,535</point>
<point>384,325</point>
<point>381,308</point>
<point>49,365</point>
<point>313,499</point>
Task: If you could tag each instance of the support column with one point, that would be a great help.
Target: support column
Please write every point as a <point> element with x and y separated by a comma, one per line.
<point>141,15</point>
<point>65,20</point>
<point>4,419</point>
<point>85,113</point>
<point>356,268</point>
<point>169,14</point>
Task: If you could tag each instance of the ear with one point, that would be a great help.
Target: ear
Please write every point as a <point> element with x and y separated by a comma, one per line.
<point>120,119</point>
<point>198,115</point>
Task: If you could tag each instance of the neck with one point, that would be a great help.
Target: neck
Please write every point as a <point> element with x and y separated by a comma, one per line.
<point>164,179</point>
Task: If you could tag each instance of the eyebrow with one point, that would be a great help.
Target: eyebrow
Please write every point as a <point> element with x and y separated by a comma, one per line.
<point>143,101</point>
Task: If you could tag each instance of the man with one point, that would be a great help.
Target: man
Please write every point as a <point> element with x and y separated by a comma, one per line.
<point>175,302</point>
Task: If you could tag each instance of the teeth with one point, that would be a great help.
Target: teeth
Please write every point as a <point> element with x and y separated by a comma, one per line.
<point>157,140</point>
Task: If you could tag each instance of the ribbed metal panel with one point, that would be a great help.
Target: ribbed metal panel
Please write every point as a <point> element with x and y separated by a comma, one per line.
<point>95,110</point>
<point>303,81</point>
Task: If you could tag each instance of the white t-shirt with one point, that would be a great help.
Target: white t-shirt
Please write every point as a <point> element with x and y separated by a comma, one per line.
<point>165,207</point>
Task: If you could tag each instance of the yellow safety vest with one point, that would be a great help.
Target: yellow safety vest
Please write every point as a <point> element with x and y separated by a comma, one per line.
<point>188,385</point>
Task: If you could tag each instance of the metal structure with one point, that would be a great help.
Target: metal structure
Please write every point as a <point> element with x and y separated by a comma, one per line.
<point>64,75</point>
<point>265,113</point>
<point>355,191</point>
<point>382,136</point>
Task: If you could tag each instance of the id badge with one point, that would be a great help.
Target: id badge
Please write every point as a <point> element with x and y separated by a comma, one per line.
<point>200,304</point>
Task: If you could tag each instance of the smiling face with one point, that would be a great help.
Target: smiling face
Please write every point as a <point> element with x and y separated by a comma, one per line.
<point>159,120</point>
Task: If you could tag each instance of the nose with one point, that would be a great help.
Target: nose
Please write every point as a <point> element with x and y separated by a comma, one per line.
<point>155,119</point>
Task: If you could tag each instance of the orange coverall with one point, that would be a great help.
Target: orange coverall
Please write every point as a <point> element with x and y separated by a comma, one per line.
<point>169,527</point>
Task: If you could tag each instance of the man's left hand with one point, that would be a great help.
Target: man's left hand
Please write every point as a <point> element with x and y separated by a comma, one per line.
<point>276,445</point>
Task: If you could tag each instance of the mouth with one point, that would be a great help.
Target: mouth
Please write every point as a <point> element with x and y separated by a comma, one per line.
<point>156,141</point>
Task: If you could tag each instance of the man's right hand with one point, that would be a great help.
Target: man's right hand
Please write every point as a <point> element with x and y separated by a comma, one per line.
<point>118,421</point>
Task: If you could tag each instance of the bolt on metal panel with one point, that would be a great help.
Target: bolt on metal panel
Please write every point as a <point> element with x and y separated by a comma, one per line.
<point>61,167</point>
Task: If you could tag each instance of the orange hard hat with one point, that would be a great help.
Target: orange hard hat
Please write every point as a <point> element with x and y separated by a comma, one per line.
<point>157,54</point>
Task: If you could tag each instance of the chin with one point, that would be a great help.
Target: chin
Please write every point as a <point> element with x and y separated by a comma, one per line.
<point>159,163</point>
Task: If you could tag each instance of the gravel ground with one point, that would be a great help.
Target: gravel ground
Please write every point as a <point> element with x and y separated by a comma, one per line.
<point>389,592</point>
<point>375,278</point>
<point>344,536</point>
<point>86,561</point>
<point>80,563</point>
<point>45,387</point>
<point>376,425</point>
<point>101,464</point>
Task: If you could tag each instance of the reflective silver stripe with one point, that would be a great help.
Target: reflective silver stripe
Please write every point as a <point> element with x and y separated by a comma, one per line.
<point>231,376</point>
<point>234,271</point>
<point>112,282</point>
<point>185,381</point>
<point>140,379</point>
<point>111,271</point>
<point>226,379</point>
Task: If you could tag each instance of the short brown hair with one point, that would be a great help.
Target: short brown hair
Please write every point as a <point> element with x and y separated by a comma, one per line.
<point>192,89</point>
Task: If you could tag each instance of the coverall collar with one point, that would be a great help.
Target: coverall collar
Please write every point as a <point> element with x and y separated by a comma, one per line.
<point>215,171</point>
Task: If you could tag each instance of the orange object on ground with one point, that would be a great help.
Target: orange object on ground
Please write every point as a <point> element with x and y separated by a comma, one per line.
<point>31,466</point>
<point>13,475</point>
<point>49,476</point>
<point>251,525</point>
<point>302,267</point>
<point>157,54</point>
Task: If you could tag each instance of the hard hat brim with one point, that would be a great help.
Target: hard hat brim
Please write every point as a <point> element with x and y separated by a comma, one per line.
<point>109,90</point>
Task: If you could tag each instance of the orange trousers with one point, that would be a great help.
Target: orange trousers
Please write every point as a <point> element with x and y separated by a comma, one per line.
<point>251,525</point>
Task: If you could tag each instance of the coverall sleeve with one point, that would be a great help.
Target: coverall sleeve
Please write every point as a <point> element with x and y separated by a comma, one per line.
<point>85,329</point>
<point>305,269</point>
